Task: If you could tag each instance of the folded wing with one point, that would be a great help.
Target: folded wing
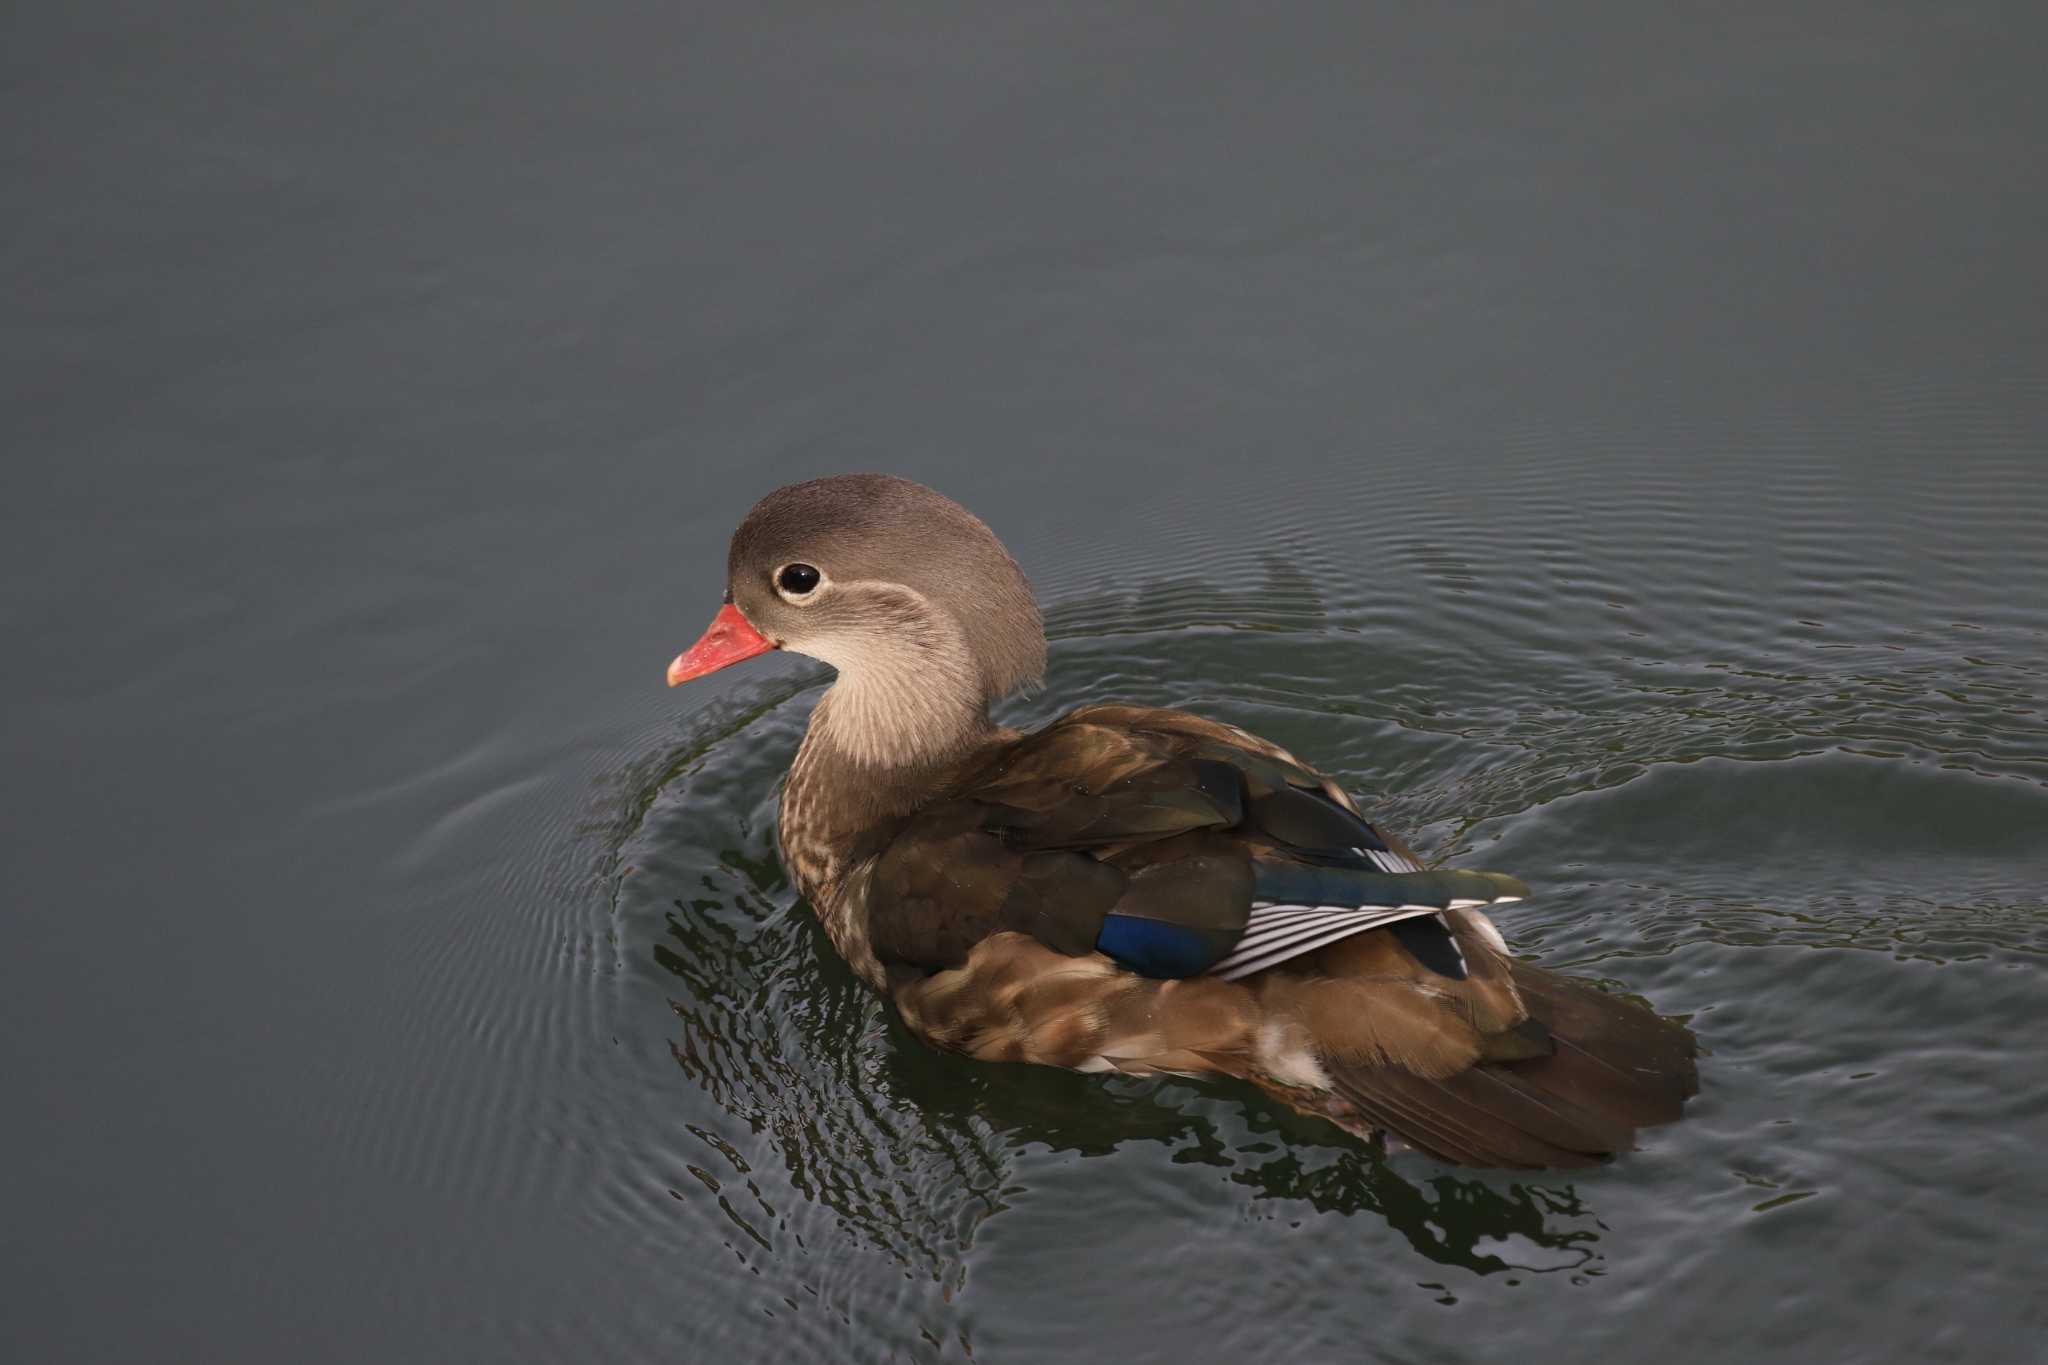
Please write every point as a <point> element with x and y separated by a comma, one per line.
<point>1172,845</point>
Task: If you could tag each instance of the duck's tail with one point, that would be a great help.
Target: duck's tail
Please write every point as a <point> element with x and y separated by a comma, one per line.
<point>1596,1068</point>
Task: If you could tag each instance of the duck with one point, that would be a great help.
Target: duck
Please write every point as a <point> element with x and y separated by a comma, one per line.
<point>1140,890</point>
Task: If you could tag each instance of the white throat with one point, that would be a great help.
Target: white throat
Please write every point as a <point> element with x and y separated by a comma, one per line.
<point>907,696</point>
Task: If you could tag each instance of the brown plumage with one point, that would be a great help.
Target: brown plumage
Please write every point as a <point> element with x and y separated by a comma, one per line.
<point>1141,890</point>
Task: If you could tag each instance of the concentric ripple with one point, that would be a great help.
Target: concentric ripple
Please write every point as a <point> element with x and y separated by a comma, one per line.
<point>1793,788</point>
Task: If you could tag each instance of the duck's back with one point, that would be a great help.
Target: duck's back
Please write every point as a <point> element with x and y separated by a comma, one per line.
<point>1174,845</point>
<point>1145,890</point>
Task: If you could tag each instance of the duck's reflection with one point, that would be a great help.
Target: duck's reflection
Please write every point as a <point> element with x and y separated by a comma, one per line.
<point>1452,1220</point>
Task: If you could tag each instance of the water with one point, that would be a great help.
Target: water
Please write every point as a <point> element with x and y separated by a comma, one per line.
<point>1612,442</point>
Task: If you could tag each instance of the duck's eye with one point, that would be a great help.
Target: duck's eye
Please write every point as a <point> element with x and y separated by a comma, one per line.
<point>797,579</point>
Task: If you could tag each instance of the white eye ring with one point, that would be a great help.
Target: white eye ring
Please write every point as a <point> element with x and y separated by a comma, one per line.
<point>798,583</point>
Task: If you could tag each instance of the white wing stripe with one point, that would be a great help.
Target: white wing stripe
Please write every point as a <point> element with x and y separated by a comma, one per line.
<point>1300,934</point>
<point>1386,860</point>
<point>1275,932</point>
<point>1268,924</point>
<point>1237,968</point>
<point>1251,956</point>
<point>1241,963</point>
<point>1268,942</point>
<point>1282,914</point>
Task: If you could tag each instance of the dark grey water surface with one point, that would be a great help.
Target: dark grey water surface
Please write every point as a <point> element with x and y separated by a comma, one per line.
<point>1613,439</point>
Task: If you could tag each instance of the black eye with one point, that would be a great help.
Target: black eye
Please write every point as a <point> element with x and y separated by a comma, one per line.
<point>797,579</point>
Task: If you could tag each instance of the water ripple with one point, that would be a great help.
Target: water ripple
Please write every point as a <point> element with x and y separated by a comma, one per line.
<point>1793,786</point>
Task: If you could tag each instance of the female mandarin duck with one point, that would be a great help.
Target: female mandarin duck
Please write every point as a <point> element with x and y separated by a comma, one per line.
<point>1142,890</point>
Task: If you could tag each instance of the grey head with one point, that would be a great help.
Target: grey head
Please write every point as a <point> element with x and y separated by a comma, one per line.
<point>905,592</point>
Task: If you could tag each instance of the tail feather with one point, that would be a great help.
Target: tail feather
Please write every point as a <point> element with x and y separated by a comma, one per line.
<point>1613,1056</point>
<point>1616,1067</point>
<point>1464,1119</point>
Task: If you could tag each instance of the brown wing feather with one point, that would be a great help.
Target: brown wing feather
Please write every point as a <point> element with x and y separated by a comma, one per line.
<point>1379,1052</point>
<point>1264,757</point>
<point>1016,1000</point>
<point>1511,1066</point>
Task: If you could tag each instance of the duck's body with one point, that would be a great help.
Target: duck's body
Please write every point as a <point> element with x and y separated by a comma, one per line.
<point>1142,890</point>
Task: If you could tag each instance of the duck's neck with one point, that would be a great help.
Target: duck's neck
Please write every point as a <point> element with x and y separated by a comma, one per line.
<point>878,747</point>
<point>902,717</point>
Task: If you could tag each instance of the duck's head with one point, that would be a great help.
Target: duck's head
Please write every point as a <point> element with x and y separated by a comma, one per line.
<point>901,589</point>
